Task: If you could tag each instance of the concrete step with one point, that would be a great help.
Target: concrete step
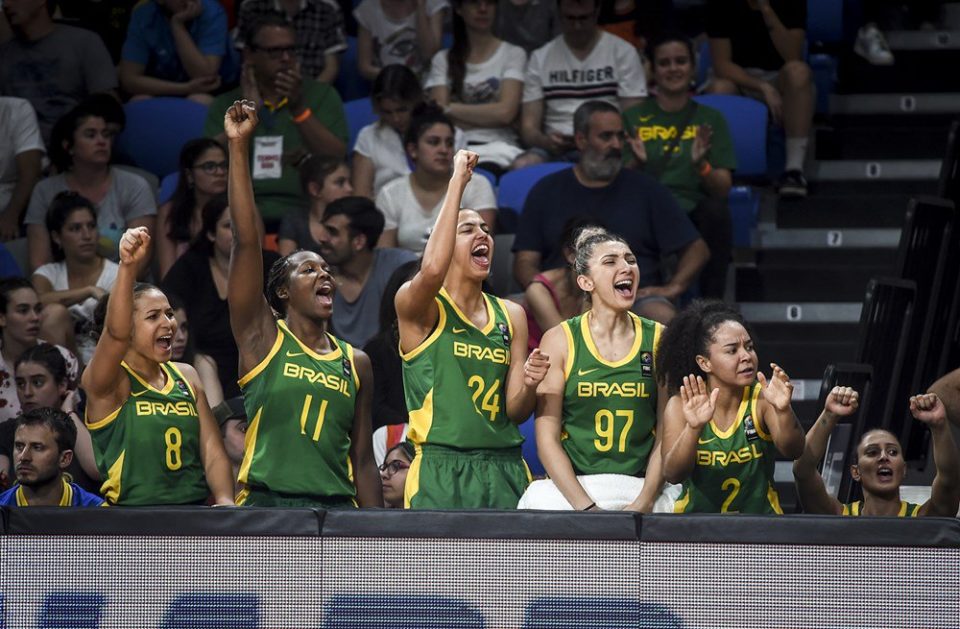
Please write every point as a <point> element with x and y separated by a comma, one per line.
<point>844,211</point>
<point>852,238</point>
<point>774,283</point>
<point>875,170</point>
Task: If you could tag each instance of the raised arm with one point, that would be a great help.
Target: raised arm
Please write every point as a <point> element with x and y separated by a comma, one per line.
<point>416,309</point>
<point>777,415</point>
<point>525,372</point>
<point>945,492</point>
<point>251,318</point>
<point>684,417</point>
<point>365,476</point>
<point>841,402</point>
<point>103,377</point>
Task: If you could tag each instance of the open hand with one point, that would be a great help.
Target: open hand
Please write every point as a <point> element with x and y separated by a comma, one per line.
<point>536,367</point>
<point>701,143</point>
<point>778,391</point>
<point>134,245</point>
<point>928,409</point>
<point>240,120</point>
<point>698,405</point>
<point>637,146</point>
<point>842,401</point>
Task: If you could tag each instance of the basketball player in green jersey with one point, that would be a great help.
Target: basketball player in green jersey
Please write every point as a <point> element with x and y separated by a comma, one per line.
<point>466,374</point>
<point>725,421</point>
<point>307,393</point>
<point>598,407</point>
<point>155,439</point>
<point>880,468</point>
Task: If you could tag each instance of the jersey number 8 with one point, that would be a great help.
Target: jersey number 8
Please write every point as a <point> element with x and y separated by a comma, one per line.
<point>174,440</point>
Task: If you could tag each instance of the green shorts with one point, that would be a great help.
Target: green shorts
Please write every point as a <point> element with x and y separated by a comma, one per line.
<point>260,497</point>
<point>448,478</point>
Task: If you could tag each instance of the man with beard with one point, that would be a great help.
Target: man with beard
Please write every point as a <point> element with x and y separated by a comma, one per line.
<point>351,227</point>
<point>42,450</point>
<point>628,203</point>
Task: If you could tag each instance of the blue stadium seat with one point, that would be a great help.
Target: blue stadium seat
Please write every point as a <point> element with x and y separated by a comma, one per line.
<point>747,119</point>
<point>167,187</point>
<point>350,83</point>
<point>359,114</point>
<point>157,128</point>
<point>744,204</point>
<point>825,20</point>
<point>489,175</point>
<point>530,448</point>
<point>516,184</point>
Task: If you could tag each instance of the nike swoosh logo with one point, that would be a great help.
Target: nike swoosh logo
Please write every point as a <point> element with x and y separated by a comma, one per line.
<point>646,118</point>
<point>583,372</point>
<point>132,394</point>
<point>706,441</point>
<point>294,354</point>
<point>459,330</point>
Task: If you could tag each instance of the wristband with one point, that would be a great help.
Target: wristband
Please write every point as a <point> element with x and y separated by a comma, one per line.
<point>705,169</point>
<point>302,116</point>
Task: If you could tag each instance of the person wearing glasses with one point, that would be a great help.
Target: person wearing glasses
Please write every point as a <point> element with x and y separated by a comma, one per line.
<point>299,116</point>
<point>202,176</point>
<point>177,48</point>
<point>393,473</point>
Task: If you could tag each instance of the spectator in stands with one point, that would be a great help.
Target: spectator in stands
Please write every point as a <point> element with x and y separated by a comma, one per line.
<point>232,418</point>
<point>177,48</point>
<point>324,180</point>
<point>411,204</point>
<point>81,149</point>
<point>757,48</point>
<point>379,156</point>
<point>201,273</point>
<point>527,23</point>
<point>393,473</point>
<point>52,65</point>
<point>184,351</point>
<point>319,28</point>
<point>553,296</point>
<point>388,405</point>
<point>626,202</point>
<point>725,422</point>
<point>23,325</point>
<point>289,328</point>
<point>880,467</point>
<point>468,454</point>
<point>351,228</point>
<point>583,429</point>
<point>300,116</point>
<point>202,176</point>
<point>137,398</point>
<point>43,382</point>
<point>408,32</point>
<point>584,63</point>
<point>80,275</point>
<point>478,82</point>
<point>106,18</point>
<point>21,161</point>
<point>694,162</point>
<point>43,449</point>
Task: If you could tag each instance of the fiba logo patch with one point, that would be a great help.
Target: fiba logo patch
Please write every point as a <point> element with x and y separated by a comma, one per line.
<point>749,429</point>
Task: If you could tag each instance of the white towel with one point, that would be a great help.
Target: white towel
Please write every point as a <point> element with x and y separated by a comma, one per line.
<point>611,492</point>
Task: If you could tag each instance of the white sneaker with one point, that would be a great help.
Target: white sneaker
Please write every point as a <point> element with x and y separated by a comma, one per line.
<point>872,46</point>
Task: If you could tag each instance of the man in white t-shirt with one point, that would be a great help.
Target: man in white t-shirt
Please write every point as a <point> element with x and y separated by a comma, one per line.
<point>21,157</point>
<point>583,63</point>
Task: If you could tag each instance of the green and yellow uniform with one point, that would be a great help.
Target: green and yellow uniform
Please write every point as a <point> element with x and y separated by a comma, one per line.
<point>609,408</point>
<point>455,384</point>
<point>734,467</point>
<point>907,509</point>
<point>301,409</point>
<point>148,450</point>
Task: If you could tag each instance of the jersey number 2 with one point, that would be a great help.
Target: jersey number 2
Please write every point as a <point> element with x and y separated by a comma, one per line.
<point>729,484</point>
<point>491,399</point>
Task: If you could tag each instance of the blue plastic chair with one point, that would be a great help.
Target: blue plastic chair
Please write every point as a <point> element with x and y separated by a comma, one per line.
<point>747,120</point>
<point>359,114</point>
<point>825,21</point>
<point>516,184</point>
<point>489,175</point>
<point>350,83</point>
<point>529,449</point>
<point>157,128</point>
<point>168,186</point>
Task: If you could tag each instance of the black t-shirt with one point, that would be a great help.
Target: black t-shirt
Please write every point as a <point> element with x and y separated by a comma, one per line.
<point>388,405</point>
<point>749,38</point>
<point>634,206</point>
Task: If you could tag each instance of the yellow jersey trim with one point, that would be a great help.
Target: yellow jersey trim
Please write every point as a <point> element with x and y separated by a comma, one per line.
<point>241,496</point>
<point>249,445</point>
<point>66,495</point>
<point>253,373</point>
<point>657,332</point>
<point>427,342</point>
<point>592,348</point>
<point>774,499</point>
<point>353,366</point>
<point>757,420</point>
<point>312,353</point>
<point>111,486</point>
<point>855,508</point>
<point>168,385</point>
<point>490,314</point>
<point>102,423</point>
<point>506,313</point>
<point>680,505</point>
<point>724,434</point>
<point>571,350</point>
<point>412,486</point>
<point>421,420</point>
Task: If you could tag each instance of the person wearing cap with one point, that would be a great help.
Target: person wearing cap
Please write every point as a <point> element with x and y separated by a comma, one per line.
<point>232,419</point>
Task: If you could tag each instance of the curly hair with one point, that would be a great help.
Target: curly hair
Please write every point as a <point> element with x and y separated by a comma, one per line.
<point>689,335</point>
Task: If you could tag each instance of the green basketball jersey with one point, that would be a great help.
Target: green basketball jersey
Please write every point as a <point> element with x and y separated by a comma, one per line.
<point>609,408</point>
<point>455,382</point>
<point>148,450</point>
<point>734,468</point>
<point>907,509</point>
<point>301,407</point>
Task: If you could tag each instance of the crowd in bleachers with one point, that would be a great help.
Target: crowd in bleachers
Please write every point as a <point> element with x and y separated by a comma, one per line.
<point>294,192</point>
